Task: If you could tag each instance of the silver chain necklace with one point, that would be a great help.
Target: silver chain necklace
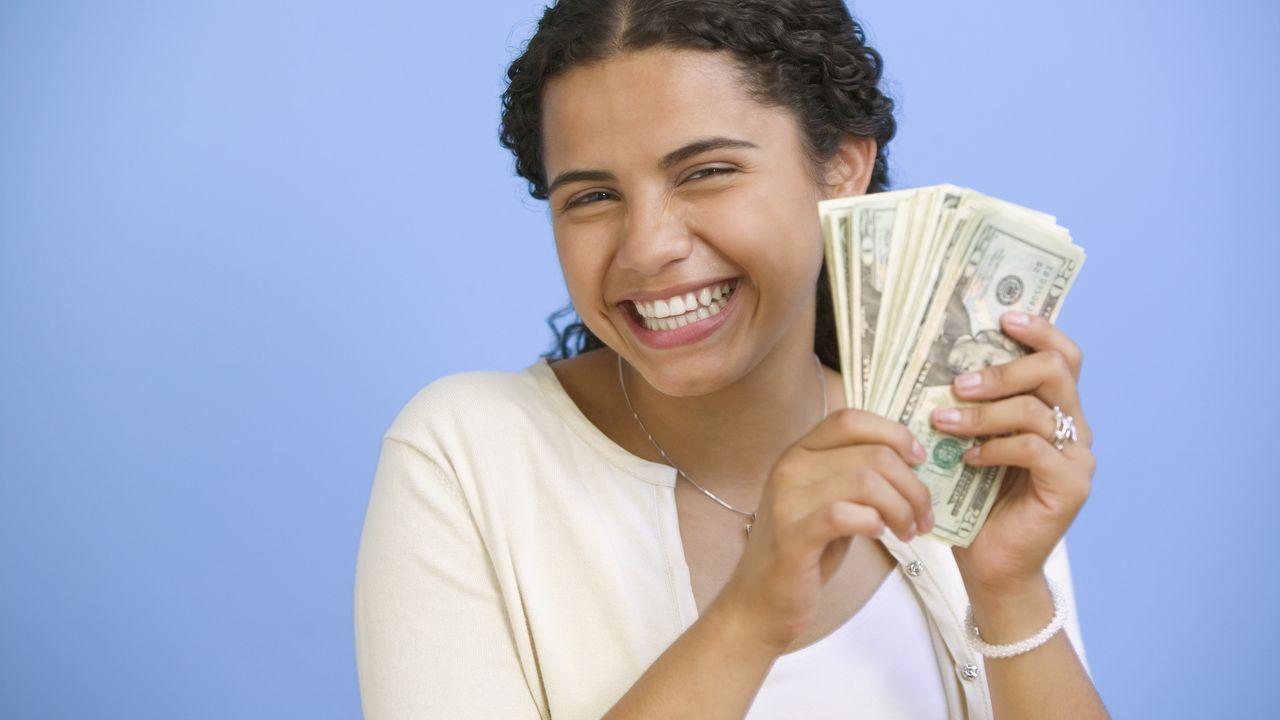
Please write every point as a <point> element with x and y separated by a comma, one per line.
<point>822,378</point>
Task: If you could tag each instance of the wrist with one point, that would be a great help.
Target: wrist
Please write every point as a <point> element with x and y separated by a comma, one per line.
<point>736,631</point>
<point>1012,612</point>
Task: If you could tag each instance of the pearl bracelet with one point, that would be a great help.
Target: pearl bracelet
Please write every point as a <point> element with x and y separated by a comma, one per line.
<point>1031,643</point>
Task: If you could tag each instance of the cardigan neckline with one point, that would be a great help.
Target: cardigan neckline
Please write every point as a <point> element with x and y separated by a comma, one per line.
<point>647,470</point>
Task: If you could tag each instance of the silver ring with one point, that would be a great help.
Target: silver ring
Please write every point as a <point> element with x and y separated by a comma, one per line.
<point>1064,428</point>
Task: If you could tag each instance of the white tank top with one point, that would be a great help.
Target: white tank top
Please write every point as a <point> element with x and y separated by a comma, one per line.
<point>880,664</point>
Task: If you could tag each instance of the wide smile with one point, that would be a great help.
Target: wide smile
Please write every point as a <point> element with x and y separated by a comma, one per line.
<point>683,319</point>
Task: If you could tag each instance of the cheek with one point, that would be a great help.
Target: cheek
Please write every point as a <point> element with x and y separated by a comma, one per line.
<point>584,259</point>
<point>768,234</point>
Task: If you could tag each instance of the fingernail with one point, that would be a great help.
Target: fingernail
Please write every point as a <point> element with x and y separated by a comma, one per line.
<point>1017,318</point>
<point>973,453</point>
<point>969,381</point>
<point>917,450</point>
<point>947,416</point>
<point>928,521</point>
<point>911,533</point>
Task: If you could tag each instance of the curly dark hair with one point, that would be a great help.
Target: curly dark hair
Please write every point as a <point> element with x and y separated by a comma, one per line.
<point>809,56</point>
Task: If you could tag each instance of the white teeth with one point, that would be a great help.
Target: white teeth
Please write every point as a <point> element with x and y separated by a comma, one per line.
<point>680,311</point>
<point>681,304</point>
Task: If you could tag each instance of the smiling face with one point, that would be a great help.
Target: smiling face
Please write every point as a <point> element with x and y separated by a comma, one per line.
<point>667,180</point>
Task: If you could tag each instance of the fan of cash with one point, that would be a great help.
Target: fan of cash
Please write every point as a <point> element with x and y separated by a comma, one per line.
<point>919,281</point>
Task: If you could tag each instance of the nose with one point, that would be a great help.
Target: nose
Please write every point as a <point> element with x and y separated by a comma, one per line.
<point>653,236</point>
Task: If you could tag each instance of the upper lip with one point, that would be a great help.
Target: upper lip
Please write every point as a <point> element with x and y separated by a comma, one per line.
<point>681,289</point>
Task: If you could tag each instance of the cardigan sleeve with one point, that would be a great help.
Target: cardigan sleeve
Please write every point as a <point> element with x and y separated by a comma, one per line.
<point>432,635</point>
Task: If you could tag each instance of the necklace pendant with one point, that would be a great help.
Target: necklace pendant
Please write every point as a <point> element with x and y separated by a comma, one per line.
<point>753,522</point>
<point>748,529</point>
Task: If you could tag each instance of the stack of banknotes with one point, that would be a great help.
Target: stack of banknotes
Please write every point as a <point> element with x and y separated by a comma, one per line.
<point>919,280</point>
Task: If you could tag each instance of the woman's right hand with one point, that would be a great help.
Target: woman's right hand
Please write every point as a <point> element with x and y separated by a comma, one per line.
<point>850,475</point>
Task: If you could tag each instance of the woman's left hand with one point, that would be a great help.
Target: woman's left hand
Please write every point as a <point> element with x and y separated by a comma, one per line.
<point>1045,487</point>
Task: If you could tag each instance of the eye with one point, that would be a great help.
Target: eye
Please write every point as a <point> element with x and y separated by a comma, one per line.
<point>710,172</point>
<point>588,198</point>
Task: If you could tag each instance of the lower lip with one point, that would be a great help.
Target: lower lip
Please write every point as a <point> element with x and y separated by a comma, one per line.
<point>687,335</point>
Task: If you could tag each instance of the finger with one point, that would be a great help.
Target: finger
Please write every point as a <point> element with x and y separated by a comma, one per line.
<point>849,426</point>
<point>867,487</point>
<point>819,467</point>
<point>909,485</point>
<point>1018,414</point>
<point>1025,450</point>
<point>1045,374</point>
<point>1068,471</point>
<point>1039,334</point>
<point>840,519</point>
<point>891,467</point>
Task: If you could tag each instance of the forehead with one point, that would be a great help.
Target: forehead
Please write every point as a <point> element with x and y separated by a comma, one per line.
<point>638,106</point>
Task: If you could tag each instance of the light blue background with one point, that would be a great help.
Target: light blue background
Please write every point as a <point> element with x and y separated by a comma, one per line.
<point>236,237</point>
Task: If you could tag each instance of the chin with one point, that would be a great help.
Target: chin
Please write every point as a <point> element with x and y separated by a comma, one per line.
<point>678,380</point>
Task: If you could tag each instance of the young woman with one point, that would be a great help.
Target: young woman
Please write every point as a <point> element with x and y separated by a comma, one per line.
<point>679,518</point>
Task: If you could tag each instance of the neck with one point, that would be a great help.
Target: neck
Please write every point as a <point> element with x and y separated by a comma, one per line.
<point>729,439</point>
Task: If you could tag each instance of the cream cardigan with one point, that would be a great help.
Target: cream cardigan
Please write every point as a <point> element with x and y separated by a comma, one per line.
<point>516,563</point>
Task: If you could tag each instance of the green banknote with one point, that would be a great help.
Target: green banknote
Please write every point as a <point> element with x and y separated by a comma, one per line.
<point>926,275</point>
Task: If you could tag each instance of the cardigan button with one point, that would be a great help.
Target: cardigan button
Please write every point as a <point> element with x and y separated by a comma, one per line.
<point>914,568</point>
<point>969,672</point>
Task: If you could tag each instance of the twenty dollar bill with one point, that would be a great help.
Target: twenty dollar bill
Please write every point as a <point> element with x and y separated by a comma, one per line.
<point>923,277</point>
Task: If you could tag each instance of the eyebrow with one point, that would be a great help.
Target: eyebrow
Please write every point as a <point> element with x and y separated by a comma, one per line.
<point>700,146</point>
<point>685,152</point>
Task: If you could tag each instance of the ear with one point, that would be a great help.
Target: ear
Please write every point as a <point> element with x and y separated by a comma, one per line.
<point>848,172</point>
